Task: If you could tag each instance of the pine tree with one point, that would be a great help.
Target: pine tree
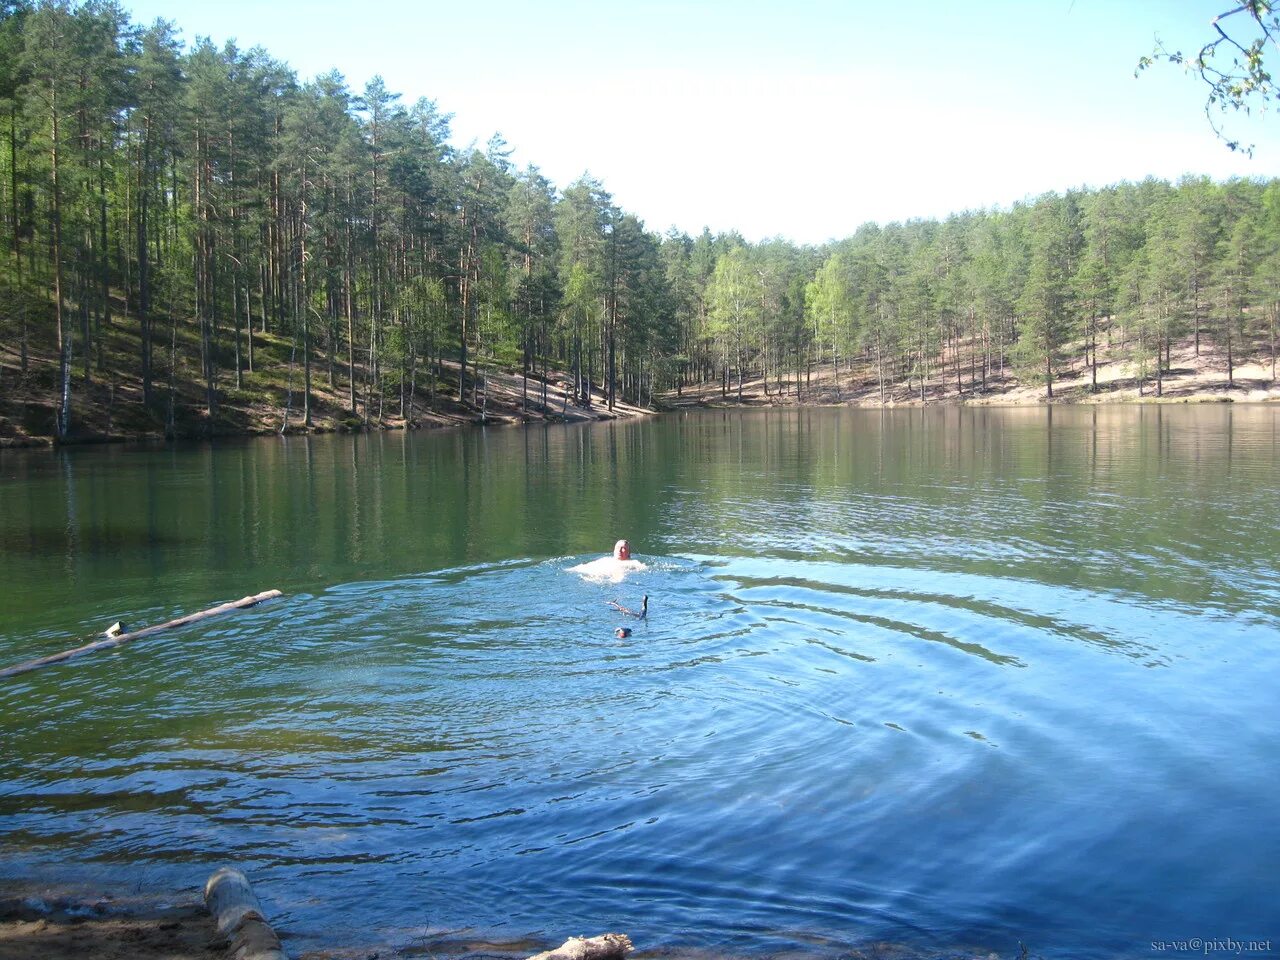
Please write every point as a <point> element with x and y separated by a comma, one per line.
<point>1046,299</point>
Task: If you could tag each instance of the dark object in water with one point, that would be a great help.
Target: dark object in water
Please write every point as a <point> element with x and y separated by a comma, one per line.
<point>638,614</point>
<point>622,633</point>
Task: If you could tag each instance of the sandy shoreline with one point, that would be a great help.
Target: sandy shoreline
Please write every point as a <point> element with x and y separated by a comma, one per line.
<point>1193,377</point>
<point>56,924</point>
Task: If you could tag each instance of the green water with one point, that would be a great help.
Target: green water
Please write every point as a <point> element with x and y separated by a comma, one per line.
<point>950,678</point>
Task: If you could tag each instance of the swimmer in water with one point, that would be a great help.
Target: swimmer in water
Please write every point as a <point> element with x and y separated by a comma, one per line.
<point>614,567</point>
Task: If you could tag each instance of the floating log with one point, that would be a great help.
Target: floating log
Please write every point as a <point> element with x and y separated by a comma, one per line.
<point>123,638</point>
<point>640,614</point>
<point>238,915</point>
<point>607,946</point>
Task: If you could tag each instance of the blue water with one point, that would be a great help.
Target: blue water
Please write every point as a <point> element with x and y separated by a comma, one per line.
<point>952,680</point>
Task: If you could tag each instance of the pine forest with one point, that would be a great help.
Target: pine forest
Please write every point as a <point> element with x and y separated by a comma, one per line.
<point>192,233</point>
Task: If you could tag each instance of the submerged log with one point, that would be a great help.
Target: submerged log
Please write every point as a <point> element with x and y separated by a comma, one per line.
<point>123,638</point>
<point>607,946</point>
<point>238,915</point>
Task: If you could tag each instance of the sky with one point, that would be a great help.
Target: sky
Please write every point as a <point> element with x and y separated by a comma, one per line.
<point>800,119</point>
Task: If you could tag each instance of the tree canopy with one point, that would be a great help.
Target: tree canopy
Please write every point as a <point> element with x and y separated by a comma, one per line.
<point>234,219</point>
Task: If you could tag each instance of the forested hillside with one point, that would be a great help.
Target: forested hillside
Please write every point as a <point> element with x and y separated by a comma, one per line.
<point>194,233</point>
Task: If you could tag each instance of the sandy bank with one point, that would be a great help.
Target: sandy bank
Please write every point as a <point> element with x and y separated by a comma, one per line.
<point>58,925</point>
<point>1192,378</point>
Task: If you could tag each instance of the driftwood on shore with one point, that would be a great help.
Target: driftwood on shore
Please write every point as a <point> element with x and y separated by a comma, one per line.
<point>238,915</point>
<point>607,946</point>
<point>121,639</point>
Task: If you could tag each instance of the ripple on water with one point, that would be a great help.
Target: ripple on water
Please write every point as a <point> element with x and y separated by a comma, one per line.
<point>786,748</point>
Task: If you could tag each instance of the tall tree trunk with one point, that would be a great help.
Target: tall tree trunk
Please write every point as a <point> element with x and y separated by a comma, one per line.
<point>880,366</point>
<point>1231,368</point>
<point>235,313</point>
<point>1093,350</point>
<point>349,302</point>
<point>1271,328</point>
<point>104,260</point>
<point>84,256</point>
<point>1195,310</point>
<point>304,304</point>
<point>462,338</point>
<point>740,364</point>
<point>248,326</point>
<point>1159,369</point>
<point>17,236</point>
<point>144,264</point>
<point>64,340</point>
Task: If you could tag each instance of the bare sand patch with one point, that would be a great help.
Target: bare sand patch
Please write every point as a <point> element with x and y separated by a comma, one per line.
<point>59,926</point>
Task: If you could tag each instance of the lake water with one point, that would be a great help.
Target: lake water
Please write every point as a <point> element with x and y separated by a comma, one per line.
<point>952,679</point>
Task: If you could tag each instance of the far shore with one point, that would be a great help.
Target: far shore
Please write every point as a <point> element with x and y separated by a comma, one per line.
<point>508,399</point>
<point>1192,378</point>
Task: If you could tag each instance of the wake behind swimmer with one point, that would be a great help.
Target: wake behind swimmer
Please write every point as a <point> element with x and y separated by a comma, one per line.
<point>613,568</point>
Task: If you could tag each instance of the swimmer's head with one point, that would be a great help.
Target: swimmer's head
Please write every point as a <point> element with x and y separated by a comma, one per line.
<point>622,550</point>
<point>622,633</point>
